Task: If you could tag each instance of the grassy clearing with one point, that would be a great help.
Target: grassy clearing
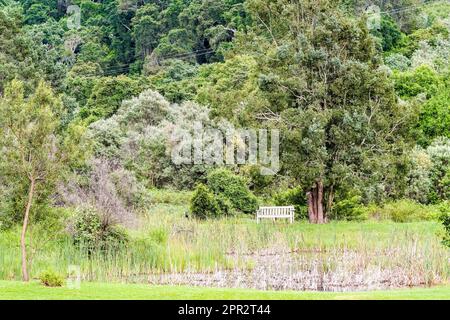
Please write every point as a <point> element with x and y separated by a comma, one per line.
<point>103,291</point>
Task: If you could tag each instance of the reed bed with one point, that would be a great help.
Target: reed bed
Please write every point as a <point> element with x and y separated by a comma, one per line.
<point>168,248</point>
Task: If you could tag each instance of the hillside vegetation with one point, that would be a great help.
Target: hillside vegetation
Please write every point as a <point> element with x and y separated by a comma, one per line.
<point>97,98</point>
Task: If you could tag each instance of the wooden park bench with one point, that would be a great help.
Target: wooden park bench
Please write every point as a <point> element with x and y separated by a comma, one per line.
<point>275,213</point>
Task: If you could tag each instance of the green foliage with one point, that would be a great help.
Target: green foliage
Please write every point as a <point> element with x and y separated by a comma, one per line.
<point>428,177</point>
<point>29,54</point>
<point>177,28</point>
<point>174,80</point>
<point>234,188</point>
<point>407,211</point>
<point>445,219</point>
<point>168,196</point>
<point>32,153</point>
<point>439,153</point>
<point>389,33</point>
<point>257,182</point>
<point>81,80</point>
<point>349,209</point>
<point>318,78</point>
<point>141,135</point>
<point>204,204</point>
<point>91,232</point>
<point>318,86</point>
<point>224,86</point>
<point>422,80</point>
<point>107,96</point>
<point>293,197</point>
<point>434,119</point>
<point>50,278</point>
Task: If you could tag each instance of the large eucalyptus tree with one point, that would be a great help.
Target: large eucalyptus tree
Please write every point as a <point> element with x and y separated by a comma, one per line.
<point>329,93</point>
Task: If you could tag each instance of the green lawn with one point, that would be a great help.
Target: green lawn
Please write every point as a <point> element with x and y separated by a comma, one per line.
<point>103,291</point>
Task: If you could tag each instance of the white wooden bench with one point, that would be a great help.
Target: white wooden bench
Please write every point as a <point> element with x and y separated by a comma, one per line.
<point>275,213</point>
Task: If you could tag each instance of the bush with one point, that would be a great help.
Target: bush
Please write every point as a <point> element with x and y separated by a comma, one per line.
<point>445,219</point>
<point>94,233</point>
<point>50,278</point>
<point>223,182</point>
<point>203,203</point>
<point>225,205</point>
<point>258,182</point>
<point>295,197</point>
<point>407,211</point>
<point>349,209</point>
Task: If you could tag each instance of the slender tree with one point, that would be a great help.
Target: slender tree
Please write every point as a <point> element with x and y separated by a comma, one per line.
<point>30,155</point>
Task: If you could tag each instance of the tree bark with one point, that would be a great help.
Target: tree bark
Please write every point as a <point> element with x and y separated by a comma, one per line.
<point>26,218</point>
<point>315,203</point>
<point>320,212</point>
<point>329,203</point>
<point>311,213</point>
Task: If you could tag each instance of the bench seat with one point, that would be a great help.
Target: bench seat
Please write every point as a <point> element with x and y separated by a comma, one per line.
<point>275,213</point>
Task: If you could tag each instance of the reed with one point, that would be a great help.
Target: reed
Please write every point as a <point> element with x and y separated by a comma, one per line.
<point>169,248</point>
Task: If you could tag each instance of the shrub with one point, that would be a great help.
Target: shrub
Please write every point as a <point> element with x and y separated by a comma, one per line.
<point>225,205</point>
<point>203,203</point>
<point>93,232</point>
<point>407,211</point>
<point>257,181</point>
<point>295,197</point>
<point>445,219</point>
<point>224,182</point>
<point>50,278</point>
<point>349,209</point>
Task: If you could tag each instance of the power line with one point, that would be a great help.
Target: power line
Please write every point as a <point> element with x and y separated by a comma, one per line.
<point>108,71</point>
<point>183,55</point>
<point>125,68</point>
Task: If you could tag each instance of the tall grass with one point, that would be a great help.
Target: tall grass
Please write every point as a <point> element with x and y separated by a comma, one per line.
<point>168,244</point>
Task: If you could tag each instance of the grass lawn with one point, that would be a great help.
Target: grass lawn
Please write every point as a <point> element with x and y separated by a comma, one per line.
<point>102,291</point>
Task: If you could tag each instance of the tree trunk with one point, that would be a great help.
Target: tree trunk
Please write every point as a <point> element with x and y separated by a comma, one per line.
<point>315,204</point>
<point>320,213</point>
<point>311,212</point>
<point>24,231</point>
<point>329,203</point>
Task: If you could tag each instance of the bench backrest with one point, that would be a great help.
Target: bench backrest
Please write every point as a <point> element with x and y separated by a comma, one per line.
<point>276,211</point>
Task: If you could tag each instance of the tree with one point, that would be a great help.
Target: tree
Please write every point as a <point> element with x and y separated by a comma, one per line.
<point>435,117</point>
<point>146,29</point>
<point>29,53</point>
<point>389,33</point>
<point>203,203</point>
<point>107,95</point>
<point>329,94</point>
<point>422,80</point>
<point>30,148</point>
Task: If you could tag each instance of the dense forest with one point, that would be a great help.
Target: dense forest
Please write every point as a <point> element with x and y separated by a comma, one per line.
<point>92,92</point>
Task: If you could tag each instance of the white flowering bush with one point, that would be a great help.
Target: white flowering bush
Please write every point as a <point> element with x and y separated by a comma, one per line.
<point>144,133</point>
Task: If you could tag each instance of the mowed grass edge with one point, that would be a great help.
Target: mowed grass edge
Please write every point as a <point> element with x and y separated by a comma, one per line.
<point>15,290</point>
